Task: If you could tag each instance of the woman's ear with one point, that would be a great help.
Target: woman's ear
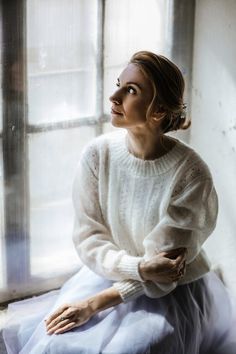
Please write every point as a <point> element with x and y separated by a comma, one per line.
<point>158,117</point>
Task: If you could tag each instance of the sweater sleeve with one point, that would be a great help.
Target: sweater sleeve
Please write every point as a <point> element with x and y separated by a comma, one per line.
<point>187,222</point>
<point>91,236</point>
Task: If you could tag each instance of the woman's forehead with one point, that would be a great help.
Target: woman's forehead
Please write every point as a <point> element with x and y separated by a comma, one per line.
<point>132,73</point>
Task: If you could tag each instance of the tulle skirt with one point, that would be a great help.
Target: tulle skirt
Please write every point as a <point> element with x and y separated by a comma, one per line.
<point>194,318</point>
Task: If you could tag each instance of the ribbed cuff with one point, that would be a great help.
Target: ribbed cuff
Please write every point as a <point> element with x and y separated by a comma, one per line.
<point>129,267</point>
<point>129,289</point>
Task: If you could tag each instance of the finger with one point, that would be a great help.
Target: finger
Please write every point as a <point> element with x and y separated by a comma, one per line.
<point>56,314</point>
<point>176,277</point>
<point>172,270</point>
<point>52,329</point>
<point>181,272</point>
<point>182,263</point>
<point>182,269</point>
<point>66,328</point>
<point>175,252</point>
<point>169,267</point>
<point>177,262</point>
<point>60,319</point>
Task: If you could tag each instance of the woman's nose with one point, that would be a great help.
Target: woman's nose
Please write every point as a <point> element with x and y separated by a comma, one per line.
<point>115,98</point>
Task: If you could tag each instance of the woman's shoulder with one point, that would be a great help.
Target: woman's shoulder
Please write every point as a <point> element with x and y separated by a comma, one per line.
<point>191,158</point>
<point>192,168</point>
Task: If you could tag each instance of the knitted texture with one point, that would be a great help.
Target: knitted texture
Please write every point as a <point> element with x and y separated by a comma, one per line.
<point>128,209</point>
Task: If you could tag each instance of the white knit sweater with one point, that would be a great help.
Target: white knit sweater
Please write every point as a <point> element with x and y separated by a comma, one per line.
<point>128,209</point>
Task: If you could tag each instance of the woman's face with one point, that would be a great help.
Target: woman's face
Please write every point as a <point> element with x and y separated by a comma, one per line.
<point>132,98</point>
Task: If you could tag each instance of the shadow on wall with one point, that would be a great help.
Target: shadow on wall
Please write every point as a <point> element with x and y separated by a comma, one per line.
<point>214,118</point>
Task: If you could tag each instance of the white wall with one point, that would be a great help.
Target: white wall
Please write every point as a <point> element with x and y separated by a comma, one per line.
<point>213,131</point>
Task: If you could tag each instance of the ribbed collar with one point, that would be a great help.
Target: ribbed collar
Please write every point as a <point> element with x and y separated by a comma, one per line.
<point>140,167</point>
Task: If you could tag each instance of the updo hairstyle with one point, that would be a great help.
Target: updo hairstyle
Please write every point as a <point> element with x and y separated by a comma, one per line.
<point>168,86</point>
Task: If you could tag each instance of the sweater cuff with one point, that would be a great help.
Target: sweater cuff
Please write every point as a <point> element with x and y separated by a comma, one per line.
<point>129,289</point>
<point>129,267</point>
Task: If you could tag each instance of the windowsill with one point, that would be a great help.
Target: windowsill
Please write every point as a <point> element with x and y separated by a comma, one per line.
<point>3,317</point>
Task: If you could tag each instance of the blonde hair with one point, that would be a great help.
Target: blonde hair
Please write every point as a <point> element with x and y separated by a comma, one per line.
<point>168,86</point>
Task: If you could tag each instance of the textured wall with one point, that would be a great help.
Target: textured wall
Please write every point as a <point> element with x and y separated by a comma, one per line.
<point>213,131</point>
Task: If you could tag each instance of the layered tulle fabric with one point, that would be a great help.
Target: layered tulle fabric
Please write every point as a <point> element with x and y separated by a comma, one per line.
<point>195,318</point>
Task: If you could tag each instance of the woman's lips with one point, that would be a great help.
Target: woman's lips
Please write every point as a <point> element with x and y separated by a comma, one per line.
<point>113,111</point>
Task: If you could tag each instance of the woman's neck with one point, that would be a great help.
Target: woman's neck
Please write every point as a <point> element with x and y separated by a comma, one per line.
<point>148,145</point>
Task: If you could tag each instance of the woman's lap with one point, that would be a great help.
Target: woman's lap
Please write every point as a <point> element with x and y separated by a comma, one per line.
<point>187,321</point>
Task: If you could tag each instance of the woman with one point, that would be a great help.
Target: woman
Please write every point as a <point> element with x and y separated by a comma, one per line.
<point>145,203</point>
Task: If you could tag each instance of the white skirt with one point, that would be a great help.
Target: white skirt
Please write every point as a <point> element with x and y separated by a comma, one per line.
<point>195,318</point>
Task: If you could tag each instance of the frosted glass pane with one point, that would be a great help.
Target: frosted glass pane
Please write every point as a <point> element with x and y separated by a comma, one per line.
<point>53,160</point>
<point>2,271</point>
<point>0,109</point>
<point>131,25</point>
<point>0,114</point>
<point>61,42</point>
<point>61,97</point>
<point>0,94</point>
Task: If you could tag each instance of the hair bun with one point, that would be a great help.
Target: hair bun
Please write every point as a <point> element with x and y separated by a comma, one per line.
<point>176,120</point>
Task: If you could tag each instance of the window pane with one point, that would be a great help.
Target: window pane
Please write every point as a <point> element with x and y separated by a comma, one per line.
<point>0,107</point>
<point>61,59</point>
<point>2,272</point>
<point>53,159</point>
<point>1,91</point>
<point>127,30</point>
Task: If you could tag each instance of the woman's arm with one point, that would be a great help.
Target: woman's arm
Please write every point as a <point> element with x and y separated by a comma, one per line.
<point>92,238</point>
<point>74,315</point>
<point>165,267</point>
<point>186,223</point>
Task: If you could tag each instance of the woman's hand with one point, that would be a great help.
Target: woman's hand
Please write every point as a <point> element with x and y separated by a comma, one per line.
<point>69,316</point>
<point>74,315</point>
<point>165,267</point>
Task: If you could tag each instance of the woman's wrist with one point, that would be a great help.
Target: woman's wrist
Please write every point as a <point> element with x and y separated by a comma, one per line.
<point>105,299</point>
<point>142,270</point>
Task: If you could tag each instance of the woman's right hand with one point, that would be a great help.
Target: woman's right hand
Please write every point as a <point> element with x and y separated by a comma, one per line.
<point>165,267</point>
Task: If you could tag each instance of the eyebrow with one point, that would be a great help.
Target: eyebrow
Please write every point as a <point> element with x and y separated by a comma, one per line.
<point>131,83</point>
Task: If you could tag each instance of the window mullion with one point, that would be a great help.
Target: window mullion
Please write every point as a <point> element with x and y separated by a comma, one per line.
<point>15,154</point>
<point>100,66</point>
<point>180,34</point>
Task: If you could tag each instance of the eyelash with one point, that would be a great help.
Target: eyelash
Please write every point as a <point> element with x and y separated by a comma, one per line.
<point>129,88</point>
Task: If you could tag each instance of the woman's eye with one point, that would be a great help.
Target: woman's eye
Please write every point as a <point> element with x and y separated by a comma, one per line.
<point>117,84</point>
<point>131,90</point>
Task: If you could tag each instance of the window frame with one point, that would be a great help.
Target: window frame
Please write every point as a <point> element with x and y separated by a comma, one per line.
<point>15,133</point>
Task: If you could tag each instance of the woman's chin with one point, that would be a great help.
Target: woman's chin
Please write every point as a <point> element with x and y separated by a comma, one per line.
<point>116,121</point>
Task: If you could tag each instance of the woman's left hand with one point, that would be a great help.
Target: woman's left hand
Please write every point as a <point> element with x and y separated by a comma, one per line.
<point>69,316</point>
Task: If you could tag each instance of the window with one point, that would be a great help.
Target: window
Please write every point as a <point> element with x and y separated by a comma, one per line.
<point>62,89</point>
<point>58,69</point>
